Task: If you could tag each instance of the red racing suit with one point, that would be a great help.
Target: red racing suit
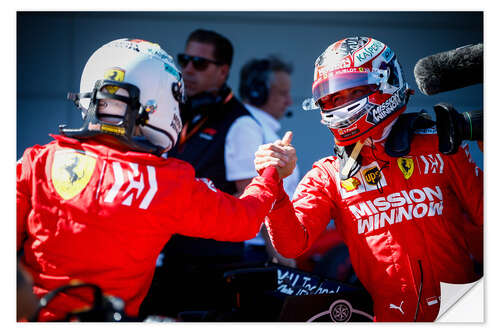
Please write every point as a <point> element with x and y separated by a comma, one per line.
<point>408,222</point>
<point>100,215</point>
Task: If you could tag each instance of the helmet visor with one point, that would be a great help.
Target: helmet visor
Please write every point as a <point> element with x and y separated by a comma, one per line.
<point>345,116</point>
<point>336,82</point>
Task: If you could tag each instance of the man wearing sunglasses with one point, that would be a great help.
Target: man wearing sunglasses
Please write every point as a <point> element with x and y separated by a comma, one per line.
<point>211,107</point>
<point>194,267</point>
<point>200,72</point>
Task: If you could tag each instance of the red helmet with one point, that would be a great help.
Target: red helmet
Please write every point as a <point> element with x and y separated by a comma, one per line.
<point>360,88</point>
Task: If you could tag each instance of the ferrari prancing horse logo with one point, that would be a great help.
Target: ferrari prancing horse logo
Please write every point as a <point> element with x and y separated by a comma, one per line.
<point>114,74</point>
<point>71,172</point>
<point>406,166</point>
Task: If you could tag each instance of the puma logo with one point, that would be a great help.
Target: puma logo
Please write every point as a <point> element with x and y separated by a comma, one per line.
<point>400,307</point>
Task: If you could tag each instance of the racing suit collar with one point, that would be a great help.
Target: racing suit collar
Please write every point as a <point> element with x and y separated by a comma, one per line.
<point>94,144</point>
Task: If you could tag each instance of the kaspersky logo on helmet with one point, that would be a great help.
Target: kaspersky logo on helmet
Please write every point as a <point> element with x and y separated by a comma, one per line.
<point>368,52</point>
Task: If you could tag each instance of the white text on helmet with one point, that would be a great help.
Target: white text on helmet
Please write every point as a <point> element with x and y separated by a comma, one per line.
<point>381,112</point>
<point>323,71</point>
<point>368,52</point>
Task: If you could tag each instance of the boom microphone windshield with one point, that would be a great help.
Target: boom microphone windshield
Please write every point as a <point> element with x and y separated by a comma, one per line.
<point>450,70</point>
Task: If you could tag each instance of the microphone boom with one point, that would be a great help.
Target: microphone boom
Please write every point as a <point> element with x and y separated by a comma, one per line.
<point>450,70</point>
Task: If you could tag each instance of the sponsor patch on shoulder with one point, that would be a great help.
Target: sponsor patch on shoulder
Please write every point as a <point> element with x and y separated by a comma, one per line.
<point>71,171</point>
<point>406,166</point>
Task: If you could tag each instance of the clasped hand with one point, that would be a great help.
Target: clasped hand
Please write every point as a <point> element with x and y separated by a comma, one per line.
<point>280,154</point>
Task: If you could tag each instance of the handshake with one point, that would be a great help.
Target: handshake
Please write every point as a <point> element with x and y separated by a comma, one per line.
<point>279,154</point>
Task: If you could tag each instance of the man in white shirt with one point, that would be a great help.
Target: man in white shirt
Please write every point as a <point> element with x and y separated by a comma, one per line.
<point>265,90</point>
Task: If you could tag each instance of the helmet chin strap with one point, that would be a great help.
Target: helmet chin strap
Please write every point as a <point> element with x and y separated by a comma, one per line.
<point>347,169</point>
<point>350,161</point>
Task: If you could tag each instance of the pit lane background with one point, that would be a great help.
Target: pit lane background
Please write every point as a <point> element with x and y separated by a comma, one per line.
<point>52,48</point>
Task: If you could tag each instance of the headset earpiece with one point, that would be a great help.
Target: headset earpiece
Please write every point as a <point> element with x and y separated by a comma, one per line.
<point>255,82</point>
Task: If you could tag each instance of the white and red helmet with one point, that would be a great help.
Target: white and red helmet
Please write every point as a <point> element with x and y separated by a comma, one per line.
<point>359,62</point>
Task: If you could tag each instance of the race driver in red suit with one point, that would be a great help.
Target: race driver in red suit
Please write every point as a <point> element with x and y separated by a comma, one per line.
<point>98,203</point>
<point>411,219</point>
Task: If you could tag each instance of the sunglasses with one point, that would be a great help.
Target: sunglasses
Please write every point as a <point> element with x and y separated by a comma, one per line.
<point>199,63</point>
